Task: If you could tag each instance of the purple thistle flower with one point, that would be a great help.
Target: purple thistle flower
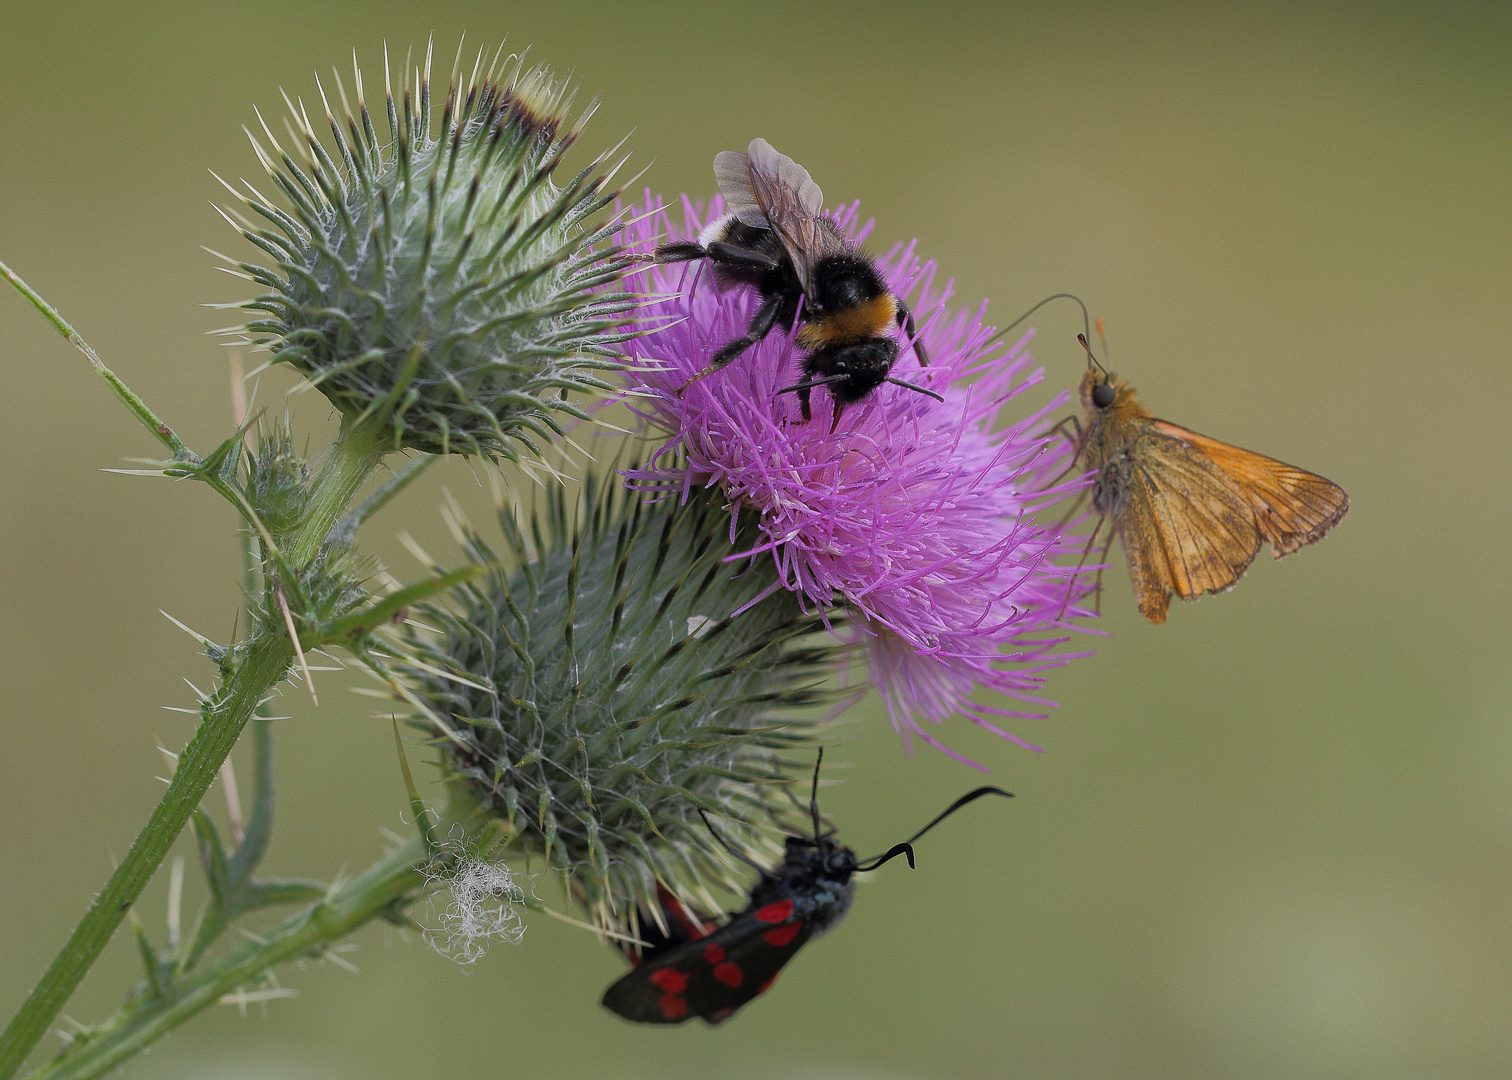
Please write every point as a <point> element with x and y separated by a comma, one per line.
<point>916,513</point>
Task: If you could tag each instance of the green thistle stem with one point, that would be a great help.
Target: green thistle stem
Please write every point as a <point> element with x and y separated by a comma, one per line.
<point>224,717</point>
<point>352,459</point>
<point>384,887</point>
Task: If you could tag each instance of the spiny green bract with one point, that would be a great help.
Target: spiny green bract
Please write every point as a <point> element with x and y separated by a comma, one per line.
<point>612,691</point>
<point>440,289</point>
<point>278,479</point>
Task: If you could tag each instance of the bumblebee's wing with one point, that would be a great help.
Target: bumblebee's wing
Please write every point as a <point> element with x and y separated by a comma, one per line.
<point>711,977</point>
<point>1186,527</point>
<point>794,205</point>
<point>732,172</point>
<point>1292,506</point>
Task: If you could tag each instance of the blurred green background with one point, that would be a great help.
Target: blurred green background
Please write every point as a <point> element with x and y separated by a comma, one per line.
<point>1272,838</point>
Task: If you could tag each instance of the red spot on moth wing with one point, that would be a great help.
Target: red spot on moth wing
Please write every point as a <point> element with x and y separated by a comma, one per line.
<point>713,953</point>
<point>673,1007</point>
<point>673,982</point>
<point>781,911</point>
<point>764,987</point>
<point>729,974</point>
<point>781,935</point>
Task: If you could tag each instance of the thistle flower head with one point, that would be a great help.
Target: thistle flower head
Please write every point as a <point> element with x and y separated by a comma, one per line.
<point>917,514</point>
<point>600,694</point>
<point>435,284</point>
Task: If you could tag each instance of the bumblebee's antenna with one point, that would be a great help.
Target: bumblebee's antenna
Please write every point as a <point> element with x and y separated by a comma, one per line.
<point>816,382</point>
<point>913,386</point>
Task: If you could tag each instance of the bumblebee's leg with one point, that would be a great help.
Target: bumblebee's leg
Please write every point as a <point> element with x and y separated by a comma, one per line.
<point>743,257</point>
<point>803,403</point>
<point>905,320</point>
<point>760,325</point>
<point>681,251</point>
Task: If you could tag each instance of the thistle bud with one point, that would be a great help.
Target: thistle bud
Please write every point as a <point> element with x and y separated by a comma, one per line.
<point>623,677</point>
<point>439,289</point>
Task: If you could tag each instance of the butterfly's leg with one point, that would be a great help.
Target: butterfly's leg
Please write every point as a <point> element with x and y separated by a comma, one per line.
<point>1102,557</point>
<point>1075,444</point>
<point>761,323</point>
<point>906,321</point>
<point>1076,508</point>
<point>1071,586</point>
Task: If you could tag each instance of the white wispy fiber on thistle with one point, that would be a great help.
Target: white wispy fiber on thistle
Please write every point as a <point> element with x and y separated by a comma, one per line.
<point>439,288</point>
<point>483,909</point>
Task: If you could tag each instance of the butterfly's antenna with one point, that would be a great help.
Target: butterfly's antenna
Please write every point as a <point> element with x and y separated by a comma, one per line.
<point>742,856</point>
<point>1091,359</point>
<point>814,795</point>
<point>1086,319</point>
<point>912,386</point>
<point>1103,338</point>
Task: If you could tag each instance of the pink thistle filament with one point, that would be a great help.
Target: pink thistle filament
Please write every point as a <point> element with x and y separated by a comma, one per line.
<point>918,515</point>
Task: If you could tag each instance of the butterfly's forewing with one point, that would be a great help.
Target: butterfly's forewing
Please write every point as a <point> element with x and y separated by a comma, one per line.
<point>1186,527</point>
<point>713,976</point>
<point>1292,506</point>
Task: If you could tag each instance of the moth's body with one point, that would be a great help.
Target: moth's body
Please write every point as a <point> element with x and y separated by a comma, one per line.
<point>799,899</point>
<point>778,240</point>
<point>688,965</point>
<point>1191,512</point>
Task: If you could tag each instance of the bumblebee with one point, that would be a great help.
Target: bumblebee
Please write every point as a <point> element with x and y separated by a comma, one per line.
<point>777,239</point>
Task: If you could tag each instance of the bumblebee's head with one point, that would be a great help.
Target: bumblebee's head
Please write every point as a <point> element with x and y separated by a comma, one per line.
<point>865,364</point>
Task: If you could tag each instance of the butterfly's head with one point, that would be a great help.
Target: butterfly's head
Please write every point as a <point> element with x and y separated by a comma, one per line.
<point>1103,393</point>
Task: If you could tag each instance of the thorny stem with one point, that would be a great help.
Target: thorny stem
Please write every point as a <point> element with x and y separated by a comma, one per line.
<point>383,889</point>
<point>352,458</point>
<point>224,716</point>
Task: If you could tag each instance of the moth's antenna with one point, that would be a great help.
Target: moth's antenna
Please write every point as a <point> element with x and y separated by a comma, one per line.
<point>892,853</point>
<point>742,856</point>
<point>1086,319</point>
<point>906,847</point>
<point>814,795</point>
<point>1090,358</point>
